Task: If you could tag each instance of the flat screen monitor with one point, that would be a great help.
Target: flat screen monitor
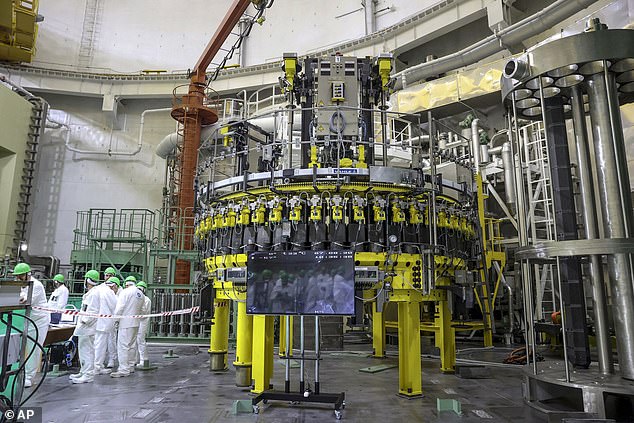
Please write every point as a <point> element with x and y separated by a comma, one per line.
<point>301,283</point>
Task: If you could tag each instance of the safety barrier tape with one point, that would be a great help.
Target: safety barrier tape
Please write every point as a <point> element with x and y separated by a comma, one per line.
<point>112,316</point>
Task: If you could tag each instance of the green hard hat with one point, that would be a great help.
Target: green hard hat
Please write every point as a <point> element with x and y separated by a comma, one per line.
<point>130,279</point>
<point>141,284</point>
<point>110,271</point>
<point>21,269</point>
<point>115,280</point>
<point>93,275</point>
<point>59,278</point>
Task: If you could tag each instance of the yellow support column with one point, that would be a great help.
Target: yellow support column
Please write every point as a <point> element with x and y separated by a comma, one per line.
<point>281,344</point>
<point>445,337</point>
<point>486,312</point>
<point>378,332</point>
<point>290,339</point>
<point>409,367</point>
<point>282,341</point>
<point>485,305</point>
<point>262,355</point>
<point>244,346</point>
<point>219,336</point>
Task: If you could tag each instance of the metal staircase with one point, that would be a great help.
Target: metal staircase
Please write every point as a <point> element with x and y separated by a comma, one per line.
<point>36,129</point>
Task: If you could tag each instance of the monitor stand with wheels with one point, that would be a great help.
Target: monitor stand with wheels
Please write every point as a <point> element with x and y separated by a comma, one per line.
<point>304,394</point>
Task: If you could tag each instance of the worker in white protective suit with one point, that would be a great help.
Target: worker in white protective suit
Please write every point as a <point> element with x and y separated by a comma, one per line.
<point>107,304</point>
<point>86,330</point>
<point>112,339</point>
<point>42,319</point>
<point>129,303</point>
<point>143,324</point>
<point>59,298</point>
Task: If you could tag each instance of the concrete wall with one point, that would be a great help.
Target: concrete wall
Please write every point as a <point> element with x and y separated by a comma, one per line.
<point>15,113</point>
<point>163,34</point>
<point>68,181</point>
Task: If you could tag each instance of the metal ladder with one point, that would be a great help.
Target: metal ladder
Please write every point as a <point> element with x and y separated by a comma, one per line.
<point>540,214</point>
<point>36,128</point>
<point>90,31</point>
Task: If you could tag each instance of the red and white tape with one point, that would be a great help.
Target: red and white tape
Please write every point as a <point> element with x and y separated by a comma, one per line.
<point>112,316</point>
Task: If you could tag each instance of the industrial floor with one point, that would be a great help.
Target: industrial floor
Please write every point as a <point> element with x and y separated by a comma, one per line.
<point>184,390</point>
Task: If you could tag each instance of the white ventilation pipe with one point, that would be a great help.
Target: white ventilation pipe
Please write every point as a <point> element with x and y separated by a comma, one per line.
<point>167,146</point>
<point>511,35</point>
<point>370,16</point>
<point>509,175</point>
<point>475,144</point>
<point>134,152</point>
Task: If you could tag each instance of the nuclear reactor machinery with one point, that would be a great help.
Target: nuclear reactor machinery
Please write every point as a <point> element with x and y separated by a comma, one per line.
<point>316,175</point>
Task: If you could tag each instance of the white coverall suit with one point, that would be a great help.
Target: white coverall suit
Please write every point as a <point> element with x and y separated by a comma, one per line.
<point>128,304</point>
<point>59,298</point>
<point>140,338</point>
<point>85,332</point>
<point>104,327</point>
<point>112,339</point>
<point>42,320</point>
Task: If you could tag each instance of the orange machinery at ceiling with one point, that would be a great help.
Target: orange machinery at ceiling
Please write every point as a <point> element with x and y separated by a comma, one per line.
<point>191,112</point>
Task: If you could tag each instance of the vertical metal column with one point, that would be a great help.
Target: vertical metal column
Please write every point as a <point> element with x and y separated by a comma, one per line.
<point>244,346</point>
<point>570,281</point>
<point>289,151</point>
<point>433,230</point>
<point>595,267</point>
<point>445,336</point>
<point>287,363</point>
<point>367,114</point>
<point>523,241</point>
<point>172,319</point>
<point>262,365</point>
<point>301,354</point>
<point>219,336</point>
<point>409,366</point>
<point>283,349</point>
<point>317,354</point>
<point>384,134</point>
<point>615,201</point>
<point>307,112</point>
<point>378,332</point>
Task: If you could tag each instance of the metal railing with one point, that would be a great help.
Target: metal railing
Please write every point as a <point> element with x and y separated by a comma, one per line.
<point>120,228</point>
<point>175,229</point>
<point>264,98</point>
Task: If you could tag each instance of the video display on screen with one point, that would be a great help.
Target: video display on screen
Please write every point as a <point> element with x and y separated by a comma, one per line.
<point>301,282</point>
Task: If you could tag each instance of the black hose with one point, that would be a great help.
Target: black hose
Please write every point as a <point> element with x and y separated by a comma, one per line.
<point>22,366</point>
<point>35,389</point>
<point>5,352</point>
<point>35,344</point>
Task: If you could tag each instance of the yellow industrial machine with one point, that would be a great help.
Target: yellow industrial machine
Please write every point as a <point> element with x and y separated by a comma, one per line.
<point>324,183</point>
<point>18,29</point>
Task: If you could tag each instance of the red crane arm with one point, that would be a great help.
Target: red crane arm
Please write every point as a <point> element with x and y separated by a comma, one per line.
<point>229,22</point>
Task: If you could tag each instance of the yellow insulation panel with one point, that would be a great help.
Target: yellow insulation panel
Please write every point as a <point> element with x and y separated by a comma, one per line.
<point>461,86</point>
